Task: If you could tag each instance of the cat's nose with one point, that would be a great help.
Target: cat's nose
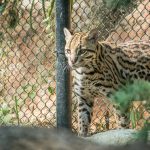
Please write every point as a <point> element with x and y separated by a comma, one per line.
<point>74,60</point>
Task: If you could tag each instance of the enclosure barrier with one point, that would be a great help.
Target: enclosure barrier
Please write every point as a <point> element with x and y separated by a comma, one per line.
<point>63,88</point>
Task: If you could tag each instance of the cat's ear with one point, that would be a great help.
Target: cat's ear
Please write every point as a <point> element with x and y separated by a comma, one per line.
<point>67,34</point>
<point>93,35</point>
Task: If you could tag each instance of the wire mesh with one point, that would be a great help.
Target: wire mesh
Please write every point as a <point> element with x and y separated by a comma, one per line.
<point>27,58</point>
<point>117,26</point>
<point>27,67</point>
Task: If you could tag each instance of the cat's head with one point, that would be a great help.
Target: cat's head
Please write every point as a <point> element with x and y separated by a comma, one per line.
<point>80,48</point>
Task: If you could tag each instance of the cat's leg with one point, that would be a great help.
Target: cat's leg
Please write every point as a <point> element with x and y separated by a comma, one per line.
<point>123,117</point>
<point>84,115</point>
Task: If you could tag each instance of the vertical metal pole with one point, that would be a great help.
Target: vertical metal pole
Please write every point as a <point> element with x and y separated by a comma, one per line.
<point>63,103</point>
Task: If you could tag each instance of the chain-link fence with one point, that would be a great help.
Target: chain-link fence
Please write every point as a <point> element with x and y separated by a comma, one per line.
<point>27,66</point>
<point>27,57</point>
<point>121,25</point>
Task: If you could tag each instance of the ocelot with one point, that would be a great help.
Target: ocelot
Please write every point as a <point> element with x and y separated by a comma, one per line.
<point>99,68</point>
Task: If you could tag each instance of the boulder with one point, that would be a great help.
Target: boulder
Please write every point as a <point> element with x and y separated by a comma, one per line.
<point>115,137</point>
<point>23,138</point>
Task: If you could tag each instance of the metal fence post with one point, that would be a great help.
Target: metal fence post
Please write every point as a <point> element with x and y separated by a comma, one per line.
<point>63,92</point>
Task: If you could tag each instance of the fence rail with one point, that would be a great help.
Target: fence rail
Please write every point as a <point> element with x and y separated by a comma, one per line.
<point>63,75</point>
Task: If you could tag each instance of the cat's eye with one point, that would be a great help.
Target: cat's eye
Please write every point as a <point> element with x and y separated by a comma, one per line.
<point>82,51</point>
<point>68,51</point>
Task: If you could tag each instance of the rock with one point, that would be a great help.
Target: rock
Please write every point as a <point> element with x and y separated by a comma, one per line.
<point>114,137</point>
<point>23,138</point>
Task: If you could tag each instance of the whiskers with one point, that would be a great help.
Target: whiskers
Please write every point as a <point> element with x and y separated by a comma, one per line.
<point>67,67</point>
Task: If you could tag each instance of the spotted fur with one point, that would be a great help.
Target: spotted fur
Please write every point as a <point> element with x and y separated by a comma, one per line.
<point>100,68</point>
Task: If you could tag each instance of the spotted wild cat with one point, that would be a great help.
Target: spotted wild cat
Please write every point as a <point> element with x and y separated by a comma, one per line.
<point>99,68</point>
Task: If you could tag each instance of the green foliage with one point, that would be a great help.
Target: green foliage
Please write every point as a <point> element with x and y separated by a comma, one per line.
<point>3,6</point>
<point>134,117</point>
<point>143,134</point>
<point>49,15</point>
<point>31,10</point>
<point>43,6</point>
<point>16,110</point>
<point>5,114</point>
<point>115,4</point>
<point>13,18</point>
<point>30,90</point>
<point>12,12</point>
<point>139,90</point>
<point>10,114</point>
<point>51,90</point>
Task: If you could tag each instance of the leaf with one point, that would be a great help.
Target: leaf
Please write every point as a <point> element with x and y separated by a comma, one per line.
<point>16,109</point>
<point>34,87</point>
<point>51,8</point>
<point>51,90</point>
<point>43,7</point>
<point>31,10</point>
<point>115,4</point>
<point>13,18</point>
<point>137,115</point>
<point>32,95</point>
<point>2,7</point>
<point>7,119</point>
<point>143,134</point>
<point>5,111</point>
<point>132,118</point>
